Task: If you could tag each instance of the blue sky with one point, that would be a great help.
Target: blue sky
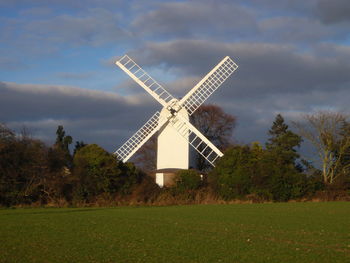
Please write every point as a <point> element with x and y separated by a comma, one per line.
<point>57,61</point>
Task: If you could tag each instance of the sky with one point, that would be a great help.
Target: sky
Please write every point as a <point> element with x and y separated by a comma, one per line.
<point>57,62</point>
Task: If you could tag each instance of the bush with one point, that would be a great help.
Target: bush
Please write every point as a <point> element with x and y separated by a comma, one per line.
<point>97,171</point>
<point>147,191</point>
<point>188,180</point>
<point>232,176</point>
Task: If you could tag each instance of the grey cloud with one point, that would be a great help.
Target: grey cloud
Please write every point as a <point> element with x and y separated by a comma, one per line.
<point>77,4</point>
<point>271,78</point>
<point>262,67</point>
<point>256,114</point>
<point>290,6</point>
<point>94,116</point>
<point>297,30</point>
<point>270,21</point>
<point>288,78</point>
<point>197,18</point>
<point>95,27</point>
<point>48,34</point>
<point>181,86</point>
<point>36,11</point>
<point>75,76</point>
<point>333,11</point>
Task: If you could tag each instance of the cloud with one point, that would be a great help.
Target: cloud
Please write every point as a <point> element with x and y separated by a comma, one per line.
<point>292,55</point>
<point>75,76</point>
<point>45,34</point>
<point>333,11</point>
<point>95,27</point>
<point>94,116</point>
<point>263,67</point>
<point>61,4</point>
<point>271,21</point>
<point>197,18</point>
<point>271,78</point>
<point>297,30</point>
<point>36,11</point>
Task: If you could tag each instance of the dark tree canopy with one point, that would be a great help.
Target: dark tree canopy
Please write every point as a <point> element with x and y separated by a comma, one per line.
<point>283,142</point>
<point>146,157</point>
<point>214,124</point>
<point>78,145</point>
<point>61,146</point>
<point>99,172</point>
<point>278,127</point>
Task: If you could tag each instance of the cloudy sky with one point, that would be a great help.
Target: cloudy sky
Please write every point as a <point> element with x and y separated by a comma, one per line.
<point>57,61</point>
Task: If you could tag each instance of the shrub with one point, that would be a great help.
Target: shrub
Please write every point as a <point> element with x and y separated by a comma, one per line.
<point>98,171</point>
<point>188,180</point>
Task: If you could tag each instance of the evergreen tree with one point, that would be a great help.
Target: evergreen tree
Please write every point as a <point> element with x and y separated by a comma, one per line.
<point>61,146</point>
<point>281,150</point>
<point>78,145</point>
<point>283,142</point>
<point>62,140</point>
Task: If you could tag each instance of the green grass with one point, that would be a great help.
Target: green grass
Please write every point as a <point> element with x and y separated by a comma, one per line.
<point>282,232</point>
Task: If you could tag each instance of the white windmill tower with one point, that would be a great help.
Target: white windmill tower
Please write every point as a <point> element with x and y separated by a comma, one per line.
<point>175,132</point>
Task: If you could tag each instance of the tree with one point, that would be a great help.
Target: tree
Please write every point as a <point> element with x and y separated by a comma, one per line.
<point>98,172</point>
<point>214,124</point>
<point>22,167</point>
<point>345,158</point>
<point>285,176</point>
<point>78,145</point>
<point>63,140</point>
<point>62,145</point>
<point>327,132</point>
<point>5,134</point>
<point>253,170</point>
<point>146,157</point>
<point>282,142</point>
<point>95,170</point>
<point>232,175</point>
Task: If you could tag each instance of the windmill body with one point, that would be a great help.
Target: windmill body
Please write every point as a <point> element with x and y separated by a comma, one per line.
<point>175,132</point>
<point>172,148</point>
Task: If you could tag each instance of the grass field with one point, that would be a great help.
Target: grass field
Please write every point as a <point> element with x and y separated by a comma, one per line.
<point>281,232</point>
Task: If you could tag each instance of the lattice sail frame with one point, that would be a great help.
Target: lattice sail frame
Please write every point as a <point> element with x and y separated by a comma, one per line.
<point>196,139</point>
<point>140,137</point>
<point>192,101</point>
<point>144,80</point>
<point>211,82</point>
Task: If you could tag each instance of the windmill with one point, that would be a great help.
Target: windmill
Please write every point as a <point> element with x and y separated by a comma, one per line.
<point>175,132</point>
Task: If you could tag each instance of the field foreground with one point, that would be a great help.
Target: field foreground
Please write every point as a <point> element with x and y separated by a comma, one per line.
<point>281,232</point>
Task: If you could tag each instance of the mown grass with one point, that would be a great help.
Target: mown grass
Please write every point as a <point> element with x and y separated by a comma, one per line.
<point>280,232</point>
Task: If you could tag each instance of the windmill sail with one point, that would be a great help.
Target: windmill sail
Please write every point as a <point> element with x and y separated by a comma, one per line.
<point>196,139</point>
<point>172,109</point>
<point>211,82</point>
<point>144,80</point>
<point>140,137</point>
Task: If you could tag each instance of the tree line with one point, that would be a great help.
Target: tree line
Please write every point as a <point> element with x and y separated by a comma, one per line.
<point>32,173</point>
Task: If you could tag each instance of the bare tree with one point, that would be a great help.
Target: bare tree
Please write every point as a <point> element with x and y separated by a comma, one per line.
<point>214,124</point>
<point>146,157</point>
<point>328,133</point>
